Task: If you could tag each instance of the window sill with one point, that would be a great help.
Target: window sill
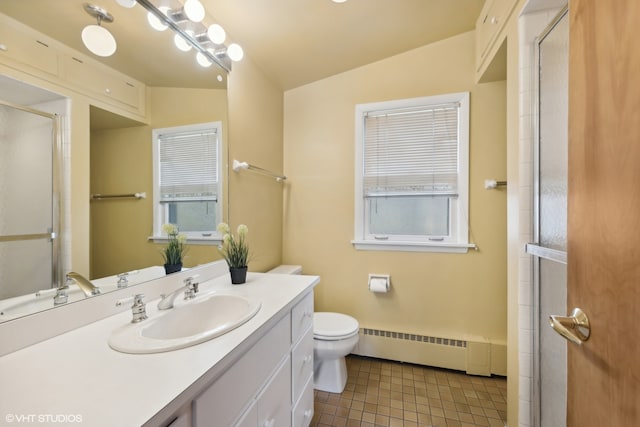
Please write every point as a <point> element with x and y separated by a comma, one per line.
<point>455,248</point>
<point>210,241</point>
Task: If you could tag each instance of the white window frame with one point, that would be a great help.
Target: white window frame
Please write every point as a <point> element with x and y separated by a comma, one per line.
<point>161,210</point>
<point>458,241</point>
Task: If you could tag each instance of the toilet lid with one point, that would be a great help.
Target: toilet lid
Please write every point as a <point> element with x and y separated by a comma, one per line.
<point>334,326</point>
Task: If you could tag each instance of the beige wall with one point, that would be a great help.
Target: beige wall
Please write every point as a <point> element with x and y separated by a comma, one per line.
<point>121,162</point>
<point>255,119</point>
<point>448,295</point>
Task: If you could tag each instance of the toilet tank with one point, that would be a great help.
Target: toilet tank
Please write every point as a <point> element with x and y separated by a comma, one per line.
<point>287,269</point>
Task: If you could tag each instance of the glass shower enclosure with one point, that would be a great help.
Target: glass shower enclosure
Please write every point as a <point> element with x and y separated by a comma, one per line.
<point>29,202</point>
<point>550,222</point>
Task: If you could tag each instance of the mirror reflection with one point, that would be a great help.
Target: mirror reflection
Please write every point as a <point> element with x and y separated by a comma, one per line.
<point>105,148</point>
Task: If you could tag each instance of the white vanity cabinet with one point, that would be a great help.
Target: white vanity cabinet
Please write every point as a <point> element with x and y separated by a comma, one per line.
<point>302,362</point>
<point>271,384</point>
<point>260,374</point>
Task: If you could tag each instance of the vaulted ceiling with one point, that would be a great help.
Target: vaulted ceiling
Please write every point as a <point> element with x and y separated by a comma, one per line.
<point>294,42</point>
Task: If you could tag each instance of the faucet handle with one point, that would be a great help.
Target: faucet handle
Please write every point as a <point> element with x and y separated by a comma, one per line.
<point>61,296</point>
<point>123,281</point>
<point>191,280</point>
<point>191,287</point>
<point>138,309</point>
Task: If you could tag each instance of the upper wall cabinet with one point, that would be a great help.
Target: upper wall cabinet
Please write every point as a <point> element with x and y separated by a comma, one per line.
<point>27,51</point>
<point>33,53</point>
<point>490,35</point>
<point>112,87</point>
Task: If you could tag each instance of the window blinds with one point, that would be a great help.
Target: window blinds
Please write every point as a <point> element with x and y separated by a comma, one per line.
<point>411,151</point>
<point>189,166</point>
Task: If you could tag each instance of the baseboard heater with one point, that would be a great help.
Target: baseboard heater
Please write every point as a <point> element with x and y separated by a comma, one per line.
<point>478,356</point>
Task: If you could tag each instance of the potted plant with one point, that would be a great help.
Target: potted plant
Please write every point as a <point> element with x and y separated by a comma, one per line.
<point>235,251</point>
<point>176,248</point>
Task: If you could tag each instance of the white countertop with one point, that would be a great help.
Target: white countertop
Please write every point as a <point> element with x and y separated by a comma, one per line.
<point>77,379</point>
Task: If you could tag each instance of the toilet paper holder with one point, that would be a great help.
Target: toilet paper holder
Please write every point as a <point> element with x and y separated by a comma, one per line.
<point>379,282</point>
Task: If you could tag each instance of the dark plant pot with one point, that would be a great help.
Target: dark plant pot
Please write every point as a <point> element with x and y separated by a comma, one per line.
<point>238,275</point>
<point>172,268</point>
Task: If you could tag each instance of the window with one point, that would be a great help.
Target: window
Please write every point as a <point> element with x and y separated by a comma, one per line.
<point>412,174</point>
<point>187,179</point>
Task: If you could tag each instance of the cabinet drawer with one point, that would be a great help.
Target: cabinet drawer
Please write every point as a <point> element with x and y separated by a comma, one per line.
<point>274,403</point>
<point>301,317</point>
<point>302,363</point>
<point>225,398</point>
<point>27,50</point>
<point>303,411</point>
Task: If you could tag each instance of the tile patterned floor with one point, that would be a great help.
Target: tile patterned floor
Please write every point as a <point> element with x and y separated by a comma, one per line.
<point>392,394</point>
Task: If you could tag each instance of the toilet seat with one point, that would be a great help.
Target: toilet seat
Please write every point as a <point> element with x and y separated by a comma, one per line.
<point>329,326</point>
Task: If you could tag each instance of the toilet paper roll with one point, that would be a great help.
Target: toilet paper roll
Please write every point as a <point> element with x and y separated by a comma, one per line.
<point>379,284</point>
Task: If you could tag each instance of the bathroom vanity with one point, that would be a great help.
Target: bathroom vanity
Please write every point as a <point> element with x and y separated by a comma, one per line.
<point>259,374</point>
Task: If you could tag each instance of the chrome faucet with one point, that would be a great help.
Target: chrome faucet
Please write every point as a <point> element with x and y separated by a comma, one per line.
<point>190,289</point>
<point>87,287</point>
<point>138,309</point>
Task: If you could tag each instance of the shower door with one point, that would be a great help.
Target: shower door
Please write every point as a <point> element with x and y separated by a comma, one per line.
<point>550,219</point>
<point>28,202</point>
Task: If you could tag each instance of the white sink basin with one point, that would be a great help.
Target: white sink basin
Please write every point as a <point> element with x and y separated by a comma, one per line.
<point>186,325</point>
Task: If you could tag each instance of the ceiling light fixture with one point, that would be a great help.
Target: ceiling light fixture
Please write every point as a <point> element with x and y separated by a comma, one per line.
<point>194,10</point>
<point>186,21</point>
<point>156,23</point>
<point>96,38</point>
<point>181,43</point>
<point>126,3</point>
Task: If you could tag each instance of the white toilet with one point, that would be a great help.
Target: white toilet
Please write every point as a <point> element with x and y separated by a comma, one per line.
<point>334,336</point>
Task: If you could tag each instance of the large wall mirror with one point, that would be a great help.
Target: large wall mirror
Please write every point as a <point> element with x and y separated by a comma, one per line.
<point>179,92</point>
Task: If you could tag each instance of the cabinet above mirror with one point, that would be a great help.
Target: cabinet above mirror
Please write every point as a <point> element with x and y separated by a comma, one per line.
<point>142,53</point>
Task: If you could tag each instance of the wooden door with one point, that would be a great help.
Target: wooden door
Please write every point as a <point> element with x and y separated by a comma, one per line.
<point>603,381</point>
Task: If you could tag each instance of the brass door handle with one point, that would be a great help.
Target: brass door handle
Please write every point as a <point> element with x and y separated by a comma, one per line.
<point>575,328</point>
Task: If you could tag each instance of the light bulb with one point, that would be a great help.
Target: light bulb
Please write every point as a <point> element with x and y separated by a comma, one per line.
<point>203,61</point>
<point>219,78</point>
<point>216,34</point>
<point>194,10</point>
<point>99,40</point>
<point>127,3</point>
<point>181,43</point>
<point>235,52</point>
<point>156,23</point>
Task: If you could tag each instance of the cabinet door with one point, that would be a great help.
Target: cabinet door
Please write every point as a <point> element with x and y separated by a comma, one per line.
<point>274,404</point>
<point>111,87</point>
<point>302,362</point>
<point>27,50</point>
<point>224,400</point>
<point>489,25</point>
<point>301,317</point>
<point>303,411</point>
<point>250,418</point>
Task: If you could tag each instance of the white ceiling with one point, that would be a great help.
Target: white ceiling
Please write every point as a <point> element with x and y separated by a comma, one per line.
<point>293,41</point>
